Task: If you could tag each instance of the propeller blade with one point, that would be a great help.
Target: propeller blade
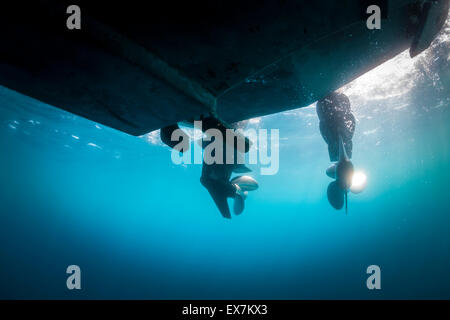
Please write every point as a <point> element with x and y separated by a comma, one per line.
<point>335,195</point>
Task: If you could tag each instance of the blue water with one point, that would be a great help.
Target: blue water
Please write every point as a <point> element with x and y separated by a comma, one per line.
<point>76,192</point>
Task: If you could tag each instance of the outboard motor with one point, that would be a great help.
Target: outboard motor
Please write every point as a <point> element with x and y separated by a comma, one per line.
<point>337,125</point>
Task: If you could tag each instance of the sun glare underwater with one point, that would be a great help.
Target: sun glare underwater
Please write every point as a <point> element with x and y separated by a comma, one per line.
<point>140,227</point>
